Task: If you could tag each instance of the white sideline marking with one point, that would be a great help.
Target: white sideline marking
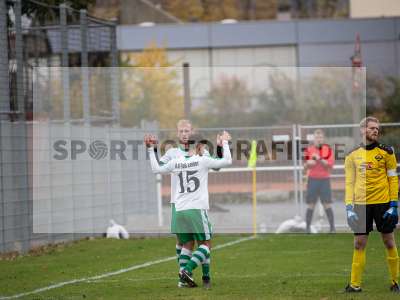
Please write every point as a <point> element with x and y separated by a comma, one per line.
<point>148,264</point>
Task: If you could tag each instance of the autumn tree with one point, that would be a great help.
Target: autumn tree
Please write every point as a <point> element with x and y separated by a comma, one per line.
<point>227,103</point>
<point>320,96</point>
<point>151,89</point>
<point>217,10</point>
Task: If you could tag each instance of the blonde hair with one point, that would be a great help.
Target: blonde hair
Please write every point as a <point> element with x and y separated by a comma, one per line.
<point>183,122</point>
<point>364,122</point>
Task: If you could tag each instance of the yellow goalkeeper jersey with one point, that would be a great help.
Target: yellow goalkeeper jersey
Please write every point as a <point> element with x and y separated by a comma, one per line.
<point>371,175</point>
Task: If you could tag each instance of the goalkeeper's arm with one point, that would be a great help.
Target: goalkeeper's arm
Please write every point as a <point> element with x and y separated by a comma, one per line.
<point>391,215</point>
<point>350,180</point>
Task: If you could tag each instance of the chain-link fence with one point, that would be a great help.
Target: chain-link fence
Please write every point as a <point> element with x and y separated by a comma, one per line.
<point>34,34</point>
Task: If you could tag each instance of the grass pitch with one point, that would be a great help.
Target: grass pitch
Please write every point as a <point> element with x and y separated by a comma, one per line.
<point>268,267</point>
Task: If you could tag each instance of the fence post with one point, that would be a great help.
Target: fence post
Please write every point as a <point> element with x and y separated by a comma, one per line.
<point>300,164</point>
<point>4,75</point>
<point>21,139</point>
<point>295,173</point>
<point>84,66</point>
<point>4,102</point>
<point>19,57</point>
<point>65,62</point>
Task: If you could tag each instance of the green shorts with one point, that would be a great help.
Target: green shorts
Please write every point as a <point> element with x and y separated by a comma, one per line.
<point>191,225</point>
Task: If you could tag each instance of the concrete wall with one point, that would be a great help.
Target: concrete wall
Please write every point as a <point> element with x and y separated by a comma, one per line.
<point>312,42</point>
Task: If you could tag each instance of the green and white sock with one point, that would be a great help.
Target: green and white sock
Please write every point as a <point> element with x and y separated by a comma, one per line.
<point>198,257</point>
<point>184,258</point>
<point>178,249</point>
<point>205,267</point>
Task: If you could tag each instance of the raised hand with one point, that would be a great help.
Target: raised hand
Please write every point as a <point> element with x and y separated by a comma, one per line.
<point>150,140</point>
<point>225,136</point>
<point>219,140</point>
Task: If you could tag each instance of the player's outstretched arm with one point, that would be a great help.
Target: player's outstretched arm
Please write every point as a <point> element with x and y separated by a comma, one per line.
<point>151,140</point>
<point>156,167</point>
<point>219,146</point>
<point>219,149</point>
<point>226,158</point>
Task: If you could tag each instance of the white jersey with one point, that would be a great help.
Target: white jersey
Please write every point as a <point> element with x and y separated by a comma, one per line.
<point>191,186</point>
<point>174,153</point>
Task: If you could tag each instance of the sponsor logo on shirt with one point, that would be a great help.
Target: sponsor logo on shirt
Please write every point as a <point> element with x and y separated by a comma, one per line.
<point>186,165</point>
<point>366,166</point>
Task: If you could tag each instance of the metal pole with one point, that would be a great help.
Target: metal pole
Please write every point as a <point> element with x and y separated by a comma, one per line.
<point>86,96</point>
<point>4,105</point>
<point>66,95</point>
<point>2,199</point>
<point>295,174</point>
<point>21,107</point>
<point>186,90</point>
<point>19,57</point>
<point>159,200</point>
<point>65,62</point>
<point>300,164</point>
<point>4,75</point>
<point>84,66</point>
<point>114,75</point>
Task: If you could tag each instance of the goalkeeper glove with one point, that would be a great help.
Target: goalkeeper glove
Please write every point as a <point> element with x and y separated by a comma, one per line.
<point>352,217</point>
<point>390,216</point>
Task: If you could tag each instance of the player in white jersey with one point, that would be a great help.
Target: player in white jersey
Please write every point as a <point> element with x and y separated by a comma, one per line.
<point>184,132</point>
<point>192,202</point>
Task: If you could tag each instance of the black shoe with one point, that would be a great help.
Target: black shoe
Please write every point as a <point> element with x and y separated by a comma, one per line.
<point>206,282</point>
<point>395,288</point>
<point>182,284</point>
<point>185,276</point>
<point>351,289</point>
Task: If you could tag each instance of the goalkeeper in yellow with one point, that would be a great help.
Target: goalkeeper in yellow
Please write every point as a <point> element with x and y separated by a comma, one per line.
<point>372,195</point>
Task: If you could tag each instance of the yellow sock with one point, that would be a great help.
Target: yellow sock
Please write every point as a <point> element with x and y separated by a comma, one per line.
<point>393,263</point>
<point>357,267</point>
